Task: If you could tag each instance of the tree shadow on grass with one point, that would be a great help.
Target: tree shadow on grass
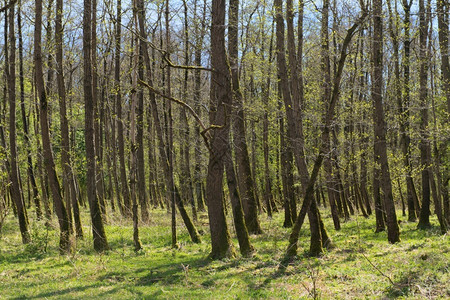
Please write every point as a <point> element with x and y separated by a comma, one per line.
<point>58,293</point>
<point>167,273</point>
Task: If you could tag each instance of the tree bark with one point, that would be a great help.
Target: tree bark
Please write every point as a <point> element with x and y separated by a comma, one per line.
<point>380,147</point>
<point>30,169</point>
<point>220,110</point>
<point>55,189</point>
<point>443,25</point>
<point>98,231</point>
<point>157,123</point>
<point>309,193</point>
<point>16,193</point>
<point>246,183</point>
<point>119,115</point>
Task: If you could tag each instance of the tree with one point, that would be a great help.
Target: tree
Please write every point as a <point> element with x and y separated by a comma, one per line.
<point>98,231</point>
<point>220,110</point>
<point>159,131</point>
<point>443,25</point>
<point>55,188</point>
<point>329,116</point>
<point>246,184</point>
<point>125,191</point>
<point>16,193</point>
<point>30,168</point>
<point>380,147</point>
<point>70,193</point>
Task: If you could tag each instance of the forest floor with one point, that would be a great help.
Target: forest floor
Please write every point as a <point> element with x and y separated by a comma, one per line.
<point>362,266</point>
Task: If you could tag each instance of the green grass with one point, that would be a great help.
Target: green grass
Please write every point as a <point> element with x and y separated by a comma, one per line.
<point>362,266</point>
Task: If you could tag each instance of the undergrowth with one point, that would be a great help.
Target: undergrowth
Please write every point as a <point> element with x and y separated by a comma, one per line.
<point>363,264</point>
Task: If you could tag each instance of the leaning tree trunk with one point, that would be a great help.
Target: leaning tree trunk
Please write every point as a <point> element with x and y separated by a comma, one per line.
<point>325,65</point>
<point>293,113</point>
<point>309,193</point>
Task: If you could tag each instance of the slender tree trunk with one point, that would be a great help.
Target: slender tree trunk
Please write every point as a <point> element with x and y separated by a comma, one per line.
<point>143,201</point>
<point>30,169</point>
<point>60,209</point>
<point>413,201</point>
<point>68,179</point>
<point>98,231</point>
<point>133,154</point>
<point>380,147</point>
<point>309,193</point>
<point>240,144</point>
<point>443,25</point>
<point>125,191</point>
<point>159,132</point>
<point>326,86</point>
<point>100,184</point>
<point>14,170</point>
<point>268,195</point>
<point>186,178</point>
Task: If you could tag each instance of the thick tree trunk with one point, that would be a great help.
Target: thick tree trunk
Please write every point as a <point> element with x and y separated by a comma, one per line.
<point>220,109</point>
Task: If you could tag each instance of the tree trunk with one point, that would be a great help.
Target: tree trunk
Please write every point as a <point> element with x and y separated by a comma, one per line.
<point>119,115</point>
<point>70,195</point>
<point>133,154</point>
<point>197,102</point>
<point>309,193</point>
<point>413,201</point>
<point>380,147</point>
<point>60,209</point>
<point>162,148</point>
<point>30,169</point>
<point>443,25</point>
<point>140,139</point>
<point>98,231</point>
<point>220,109</point>
<point>240,144</point>
<point>16,193</point>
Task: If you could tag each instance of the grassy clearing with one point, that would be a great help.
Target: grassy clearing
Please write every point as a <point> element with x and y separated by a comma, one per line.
<point>363,265</point>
